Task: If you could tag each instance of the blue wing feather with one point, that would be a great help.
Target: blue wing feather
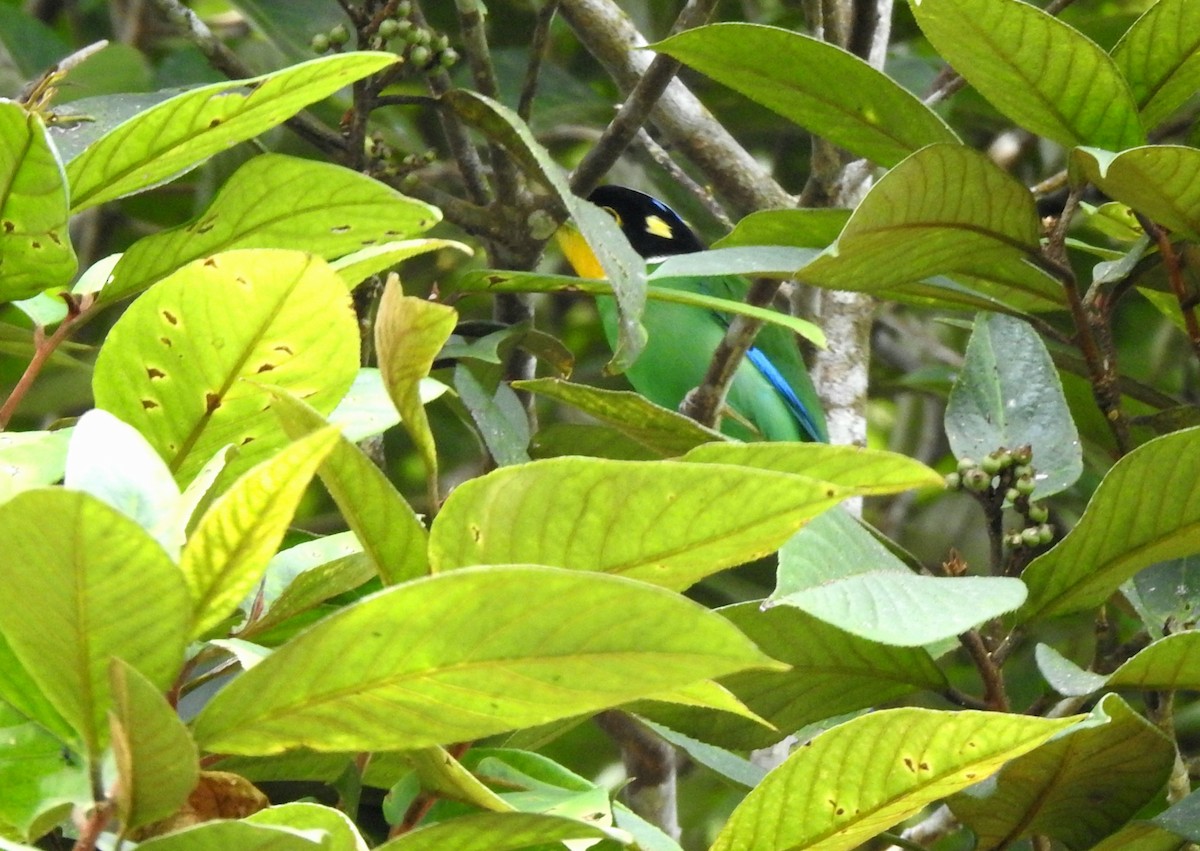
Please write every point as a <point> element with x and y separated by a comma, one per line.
<point>773,375</point>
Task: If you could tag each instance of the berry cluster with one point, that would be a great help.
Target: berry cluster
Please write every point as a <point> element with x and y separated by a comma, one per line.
<point>1006,477</point>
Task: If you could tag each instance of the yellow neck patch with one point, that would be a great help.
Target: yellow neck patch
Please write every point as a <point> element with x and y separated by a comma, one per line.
<point>578,253</point>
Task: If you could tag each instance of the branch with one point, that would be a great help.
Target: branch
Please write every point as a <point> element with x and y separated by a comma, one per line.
<point>994,693</point>
<point>650,766</point>
<point>44,347</point>
<point>1187,302</point>
<point>662,158</point>
<point>537,55</point>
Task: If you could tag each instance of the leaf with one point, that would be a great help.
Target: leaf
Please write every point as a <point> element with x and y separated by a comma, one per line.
<point>869,471</point>
<point>242,835</point>
<point>496,832</point>
<point>905,609</point>
<point>1039,71</point>
<point>809,227</point>
<point>1162,182</point>
<point>367,410</point>
<point>623,267</point>
<point>832,672</point>
<point>670,524</point>
<point>440,774</point>
<point>357,267</point>
<point>665,433</point>
<point>497,413</point>
<point>115,464</point>
<point>42,781</point>
<point>1166,595</point>
<point>156,761</point>
<point>173,365</point>
<point>227,554</point>
<point>725,763</point>
<point>860,778</point>
<point>409,333</point>
<point>31,459</point>
<point>103,589</point>
<point>1008,395</point>
<point>341,833</point>
<point>1169,663</point>
<point>390,666</point>
<point>946,209</point>
<point>1144,511</point>
<point>35,246</point>
<point>1077,788</point>
<point>817,85</point>
<point>391,534</point>
<point>1064,676</point>
<point>178,134</point>
<point>1160,58</point>
<point>277,201</point>
<point>832,547</point>
<point>20,693</point>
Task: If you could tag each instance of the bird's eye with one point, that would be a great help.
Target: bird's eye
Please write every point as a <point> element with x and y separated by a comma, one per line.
<point>615,215</point>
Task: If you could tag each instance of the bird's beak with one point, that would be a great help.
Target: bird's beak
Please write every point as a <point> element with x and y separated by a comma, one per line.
<point>578,253</point>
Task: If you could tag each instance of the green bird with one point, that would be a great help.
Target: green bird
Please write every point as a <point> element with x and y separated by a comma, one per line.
<point>771,397</point>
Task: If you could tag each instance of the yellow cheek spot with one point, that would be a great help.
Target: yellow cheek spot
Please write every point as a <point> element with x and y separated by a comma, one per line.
<point>657,227</point>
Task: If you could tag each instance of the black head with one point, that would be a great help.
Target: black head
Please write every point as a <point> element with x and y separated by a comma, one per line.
<point>652,228</point>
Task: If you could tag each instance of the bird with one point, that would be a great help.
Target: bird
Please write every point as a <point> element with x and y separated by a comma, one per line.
<point>772,396</point>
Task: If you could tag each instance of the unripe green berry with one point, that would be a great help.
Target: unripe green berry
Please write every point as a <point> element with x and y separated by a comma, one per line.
<point>420,55</point>
<point>419,35</point>
<point>448,57</point>
<point>1023,471</point>
<point>1023,454</point>
<point>441,42</point>
<point>991,464</point>
<point>1030,536</point>
<point>389,28</point>
<point>1045,533</point>
<point>1025,485</point>
<point>1038,513</point>
<point>339,35</point>
<point>977,480</point>
<point>403,9</point>
<point>954,481</point>
<point>965,465</point>
<point>319,43</point>
<point>1012,495</point>
<point>1014,539</point>
<point>403,28</point>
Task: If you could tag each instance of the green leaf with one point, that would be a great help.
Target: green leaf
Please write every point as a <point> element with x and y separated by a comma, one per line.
<point>409,333</point>
<point>1039,71</point>
<point>277,201</point>
<point>156,761</point>
<point>113,462</point>
<point>496,411</point>
<point>1144,511</point>
<point>1008,395</point>
<point>860,778</point>
<point>670,524</point>
<point>729,765</point>
<point>665,433</point>
<point>42,781</point>
<point>234,541</point>
<point>242,835</point>
<point>35,246</point>
<point>390,666</point>
<point>1064,676</point>
<point>1160,58</point>
<point>357,267</point>
<point>817,85</point>
<point>1167,594</point>
<point>1162,182</point>
<point>906,609</point>
<point>1077,788</point>
<point>946,209</point>
<point>22,694</point>
<point>103,589</point>
<point>173,365</point>
<point>623,267</point>
<point>178,134</point>
<point>810,227</point>
<point>439,773</point>
<point>31,459</point>
<point>367,410</point>
<point>496,832</point>
<point>341,833</point>
<point>832,672</point>
<point>1169,663</point>
<point>391,534</point>
<point>871,472</point>
<point>831,547</point>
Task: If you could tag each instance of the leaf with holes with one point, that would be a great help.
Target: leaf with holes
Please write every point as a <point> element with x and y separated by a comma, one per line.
<point>1160,58</point>
<point>670,524</point>
<point>817,85</point>
<point>1077,788</point>
<point>1144,511</point>
<point>174,363</point>
<point>35,247</point>
<point>1039,71</point>
<point>1162,182</point>
<point>103,589</point>
<point>233,543</point>
<point>178,134</point>
<point>277,201</point>
<point>860,778</point>
<point>424,663</point>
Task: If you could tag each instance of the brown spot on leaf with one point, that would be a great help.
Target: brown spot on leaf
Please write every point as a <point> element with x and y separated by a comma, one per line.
<point>924,766</point>
<point>211,402</point>
<point>266,367</point>
<point>476,533</point>
<point>210,261</point>
<point>391,233</point>
<point>154,372</point>
<point>9,227</point>
<point>908,763</point>
<point>35,243</point>
<point>204,228</point>
<point>149,404</point>
<point>284,349</point>
<point>340,229</point>
<point>246,440</point>
<point>170,317</point>
<point>216,122</point>
<point>166,341</point>
<point>54,237</point>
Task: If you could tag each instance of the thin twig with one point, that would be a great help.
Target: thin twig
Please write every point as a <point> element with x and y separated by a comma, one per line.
<point>44,347</point>
<point>636,109</point>
<point>1187,302</point>
<point>961,698</point>
<point>538,47</point>
<point>994,693</point>
<point>662,158</point>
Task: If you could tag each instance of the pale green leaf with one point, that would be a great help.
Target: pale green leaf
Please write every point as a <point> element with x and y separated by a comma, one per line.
<point>1008,395</point>
<point>1160,58</point>
<point>233,543</point>
<point>1162,182</point>
<point>860,778</point>
<point>277,201</point>
<point>22,694</point>
<point>670,524</point>
<point>1145,510</point>
<point>1169,663</point>
<point>729,765</point>
<point>496,832</point>
<point>826,90</point>
<point>441,774</point>
<point>1077,788</point>
<point>946,209</point>
<point>103,589</point>
<point>156,761</point>
<point>438,660</point>
<point>242,835</point>
<point>664,433</point>
<point>341,833</point>
<point>178,134</point>
<point>42,781</point>
<point>390,532</point>
<point>831,547</point>
<point>409,333</point>
<point>35,247</point>
<point>174,364</point>
<point>808,227</point>
<point>1064,676</point>
<point>1039,71</point>
<point>31,459</point>
<point>304,576</point>
<point>357,267</point>
<point>496,410</point>
<point>114,463</point>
